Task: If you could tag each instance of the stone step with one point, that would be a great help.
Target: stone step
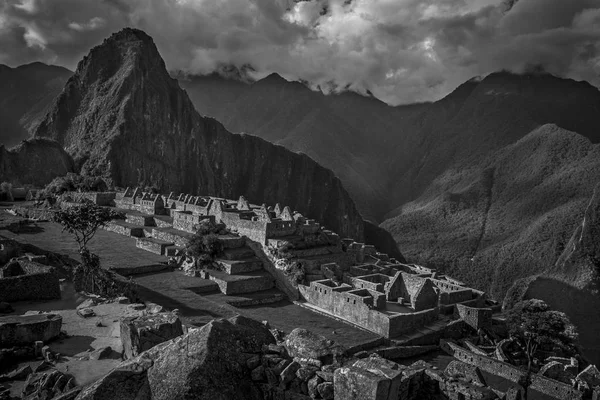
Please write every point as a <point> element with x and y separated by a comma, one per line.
<point>239,267</point>
<point>269,296</point>
<point>232,242</point>
<point>153,245</point>
<point>240,253</point>
<point>248,283</point>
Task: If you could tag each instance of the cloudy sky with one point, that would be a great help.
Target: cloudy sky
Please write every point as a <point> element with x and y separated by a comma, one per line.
<point>401,50</point>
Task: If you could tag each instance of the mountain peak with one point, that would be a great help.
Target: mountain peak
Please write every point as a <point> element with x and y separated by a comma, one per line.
<point>274,78</point>
<point>129,35</point>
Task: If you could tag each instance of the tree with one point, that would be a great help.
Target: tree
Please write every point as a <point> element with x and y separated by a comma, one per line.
<point>533,324</point>
<point>83,222</point>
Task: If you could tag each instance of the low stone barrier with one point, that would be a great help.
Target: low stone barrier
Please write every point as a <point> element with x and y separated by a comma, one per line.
<point>27,329</point>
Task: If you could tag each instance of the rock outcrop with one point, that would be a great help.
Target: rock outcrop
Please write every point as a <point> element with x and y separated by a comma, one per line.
<point>207,363</point>
<point>35,161</point>
<point>139,334</point>
<point>121,116</point>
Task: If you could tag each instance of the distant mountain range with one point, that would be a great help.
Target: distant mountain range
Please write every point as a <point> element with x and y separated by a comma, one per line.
<point>26,93</point>
<point>490,184</point>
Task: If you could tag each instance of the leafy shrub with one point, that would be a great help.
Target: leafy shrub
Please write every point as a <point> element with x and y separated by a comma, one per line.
<point>207,245</point>
<point>75,182</point>
<point>295,272</point>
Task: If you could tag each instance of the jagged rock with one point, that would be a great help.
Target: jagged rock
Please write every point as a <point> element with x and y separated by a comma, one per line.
<point>87,303</point>
<point>309,362</point>
<point>590,375</point>
<point>289,373</point>
<point>253,361</point>
<point>271,360</point>
<point>466,372</point>
<point>122,300</point>
<point>272,377</point>
<point>326,390</point>
<point>71,394</point>
<point>306,344</point>
<point>206,363</point>
<point>43,366</point>
<point>17,375</point>
<point>258,373</point>
<point>312,386</point>
<point>101,353</point>
<point>275,349</point>
<point>326,376</point>
<point>306,373</point>
<point>142,333</point>
<point>278,369</point>
<point>153,308</point>
<point>46,385</point>
<point>128,381</point>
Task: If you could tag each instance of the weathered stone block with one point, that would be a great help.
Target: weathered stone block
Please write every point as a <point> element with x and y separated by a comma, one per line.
<point>353,383</point>
<point>326,390</point>
<point>303,343</point>
<point>27,329</point>
<point>139,334</point>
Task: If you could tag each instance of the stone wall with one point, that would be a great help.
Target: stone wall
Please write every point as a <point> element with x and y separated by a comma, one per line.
<point>26,329</point>
<point>167,236</point>
<point>403,323</point>
<point>357,306</point>
<point>475,317</point>
<point>490,365</point>
<point>40,285</point>
<point>553,388</point>
<point>99,198</point>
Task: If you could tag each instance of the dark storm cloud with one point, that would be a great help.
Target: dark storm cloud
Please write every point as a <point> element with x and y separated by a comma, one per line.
<point>401,50</point>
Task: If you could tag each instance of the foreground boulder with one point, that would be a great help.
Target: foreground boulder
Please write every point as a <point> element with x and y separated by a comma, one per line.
<point>207,363</point>
<point>27,329</point>
<point>139,334</point>
<point>304,344</point>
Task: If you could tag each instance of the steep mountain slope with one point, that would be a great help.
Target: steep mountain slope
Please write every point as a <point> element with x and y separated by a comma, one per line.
<point>26,94</point>
<point>483,116</point>
<point>121,116</point>
<point>348,133</point>
<point>508,216</point>
<point>34,161</point>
